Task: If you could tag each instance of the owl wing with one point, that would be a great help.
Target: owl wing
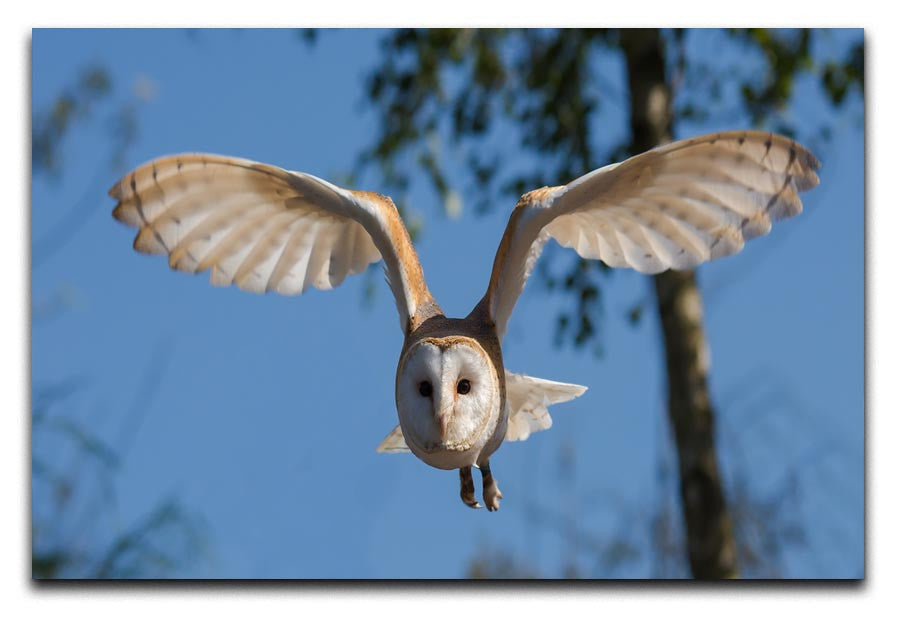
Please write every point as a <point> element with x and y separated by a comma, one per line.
<point>675,206</point>
<point>393,443</point>
<point>527,399</point>
<point>263,228</point>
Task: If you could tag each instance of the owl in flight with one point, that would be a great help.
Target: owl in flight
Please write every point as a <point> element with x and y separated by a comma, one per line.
<point>263,228</point>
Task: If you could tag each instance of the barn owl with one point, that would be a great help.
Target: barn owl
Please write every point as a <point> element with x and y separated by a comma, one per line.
<point>263,228</point>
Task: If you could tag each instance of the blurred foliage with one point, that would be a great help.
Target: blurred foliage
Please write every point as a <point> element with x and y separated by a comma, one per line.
<point>73,503</point>
<point>440,84</point>
<point>786,56</point>
<point>766,528</point>
<point>789,54</point>
<point>486,94</point>
<point>91,101</point>
<point>499,564</point>
<point>75,106</point>
<point>51,125</point>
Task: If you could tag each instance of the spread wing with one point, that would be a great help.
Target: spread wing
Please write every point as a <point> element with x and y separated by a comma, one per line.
<point>264,229</point>
<point>675,206</point>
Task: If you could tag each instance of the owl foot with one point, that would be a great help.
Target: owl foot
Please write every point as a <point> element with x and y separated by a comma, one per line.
<point>467,488</point>
<point>490,491</point>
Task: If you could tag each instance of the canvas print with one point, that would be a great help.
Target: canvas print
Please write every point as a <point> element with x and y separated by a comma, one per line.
<point>447,304</point>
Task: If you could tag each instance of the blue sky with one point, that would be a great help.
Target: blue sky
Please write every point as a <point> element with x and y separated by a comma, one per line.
<point>269,408</point>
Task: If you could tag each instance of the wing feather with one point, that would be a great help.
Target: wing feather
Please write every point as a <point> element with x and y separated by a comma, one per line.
<point>675,206</point>
<point>254,271</point>
<point>291,271</point>
<point>320,258</point>
<point>203,231</point>
<point>393,442</point>
<point>527,400</point>
<point>263,228</point>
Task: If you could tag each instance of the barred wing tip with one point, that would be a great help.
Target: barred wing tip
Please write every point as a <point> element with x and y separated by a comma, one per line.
<point>263,228</point>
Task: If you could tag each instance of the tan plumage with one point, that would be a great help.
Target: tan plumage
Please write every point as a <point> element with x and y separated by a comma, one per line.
<point>264,229</point>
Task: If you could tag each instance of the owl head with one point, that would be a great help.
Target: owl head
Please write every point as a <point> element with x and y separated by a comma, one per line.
<point>448,400</point>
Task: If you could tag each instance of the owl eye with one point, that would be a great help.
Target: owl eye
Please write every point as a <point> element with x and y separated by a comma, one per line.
<point>463,387</point>
<point>425,389</point>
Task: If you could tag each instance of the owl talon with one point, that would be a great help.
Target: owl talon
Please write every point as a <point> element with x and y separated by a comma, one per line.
<point>467,488</point>
<point>492,500</point>
<point>491,493</point>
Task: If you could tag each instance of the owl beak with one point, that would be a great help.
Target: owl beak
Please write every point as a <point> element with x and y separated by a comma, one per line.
<point>442,417</point>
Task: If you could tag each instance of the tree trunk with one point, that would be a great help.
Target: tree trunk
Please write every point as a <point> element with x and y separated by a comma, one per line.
<point>710,538</point>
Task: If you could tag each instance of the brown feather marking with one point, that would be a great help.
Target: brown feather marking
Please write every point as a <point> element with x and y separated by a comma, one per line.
<point>537,196</point>
<point>406,254</point>
<point>532,198</point>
